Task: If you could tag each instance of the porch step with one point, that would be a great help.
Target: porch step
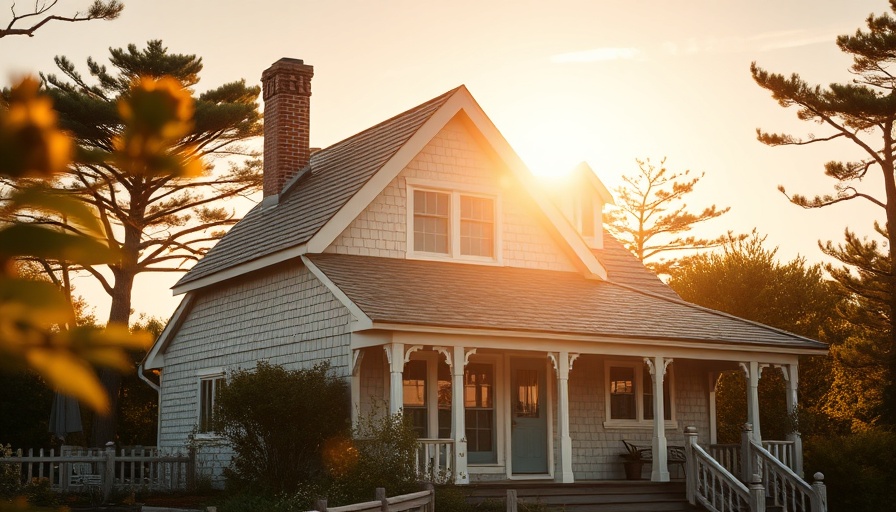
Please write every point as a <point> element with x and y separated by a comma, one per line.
<point>605,496</point>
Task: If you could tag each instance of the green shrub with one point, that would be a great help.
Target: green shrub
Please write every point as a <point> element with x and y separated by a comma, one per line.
<point>10,474</point>
<point>277,422</point>
<point>859,469</point>
<point>386,446</point>
<point>39,493</point>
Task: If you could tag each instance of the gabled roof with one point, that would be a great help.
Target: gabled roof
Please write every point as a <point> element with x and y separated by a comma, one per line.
<point>624,268</point>
<point>437,294</point>
<point>341,180</point>
<point>336,174</point>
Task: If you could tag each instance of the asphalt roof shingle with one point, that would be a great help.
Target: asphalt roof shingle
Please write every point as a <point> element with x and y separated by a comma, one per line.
<point>515,299</point>
<point>624,268</point>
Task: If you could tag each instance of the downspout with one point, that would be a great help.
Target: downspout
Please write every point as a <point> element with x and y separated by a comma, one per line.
<point>158,390</point>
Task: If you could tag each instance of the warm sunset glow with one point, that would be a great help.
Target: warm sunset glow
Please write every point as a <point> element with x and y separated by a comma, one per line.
<point>564,82</point>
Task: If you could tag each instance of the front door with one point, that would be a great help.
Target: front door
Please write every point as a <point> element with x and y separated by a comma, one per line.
<point>528,416</point>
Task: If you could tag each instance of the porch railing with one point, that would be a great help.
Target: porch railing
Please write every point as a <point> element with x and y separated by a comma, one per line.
<point>785,489</point>
<point>435,460</point>
<point>728,455</point>
<point>784,452</point>
<point>714,487</point>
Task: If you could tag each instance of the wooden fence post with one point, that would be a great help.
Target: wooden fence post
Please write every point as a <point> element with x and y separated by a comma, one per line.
<point>757,494</point>
<point>109,473</point>
<point>820,496</point>
<point>321,505</point>
<point>432,497</point>
<point>511,500</point>
<point>191,468</point>
<point>381,497</point>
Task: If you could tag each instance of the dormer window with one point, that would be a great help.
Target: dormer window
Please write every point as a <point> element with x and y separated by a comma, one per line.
<point>452,224</point>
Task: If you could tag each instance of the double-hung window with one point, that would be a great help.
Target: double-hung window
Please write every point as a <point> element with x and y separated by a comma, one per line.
<point>452,224</point>
<point>629,389</point>
<point>210,387</point>
<point>427,397</point>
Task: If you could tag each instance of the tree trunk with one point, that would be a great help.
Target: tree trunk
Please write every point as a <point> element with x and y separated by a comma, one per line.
<point>105,427</point>
<point>888,413</point>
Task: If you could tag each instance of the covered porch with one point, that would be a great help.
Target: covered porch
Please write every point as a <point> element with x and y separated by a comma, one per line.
<point>526,408</point>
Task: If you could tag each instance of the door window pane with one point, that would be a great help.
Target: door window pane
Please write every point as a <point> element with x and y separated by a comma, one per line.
<point>526,405</point>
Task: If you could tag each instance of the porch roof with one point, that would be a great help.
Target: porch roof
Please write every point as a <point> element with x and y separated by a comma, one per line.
<point>400,291</point>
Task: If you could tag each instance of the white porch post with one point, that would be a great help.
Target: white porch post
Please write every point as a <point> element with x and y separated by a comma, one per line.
<point>713,420</point>
<point>458,421</point>
<point>395,356</point>
<point>357,358</point>
<point>753,371</point>
<point>791,374</point>
<point>657,366</point>
<point>563,365</point>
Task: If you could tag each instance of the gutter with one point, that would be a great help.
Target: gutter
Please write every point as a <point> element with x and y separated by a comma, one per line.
<point>158,390</point>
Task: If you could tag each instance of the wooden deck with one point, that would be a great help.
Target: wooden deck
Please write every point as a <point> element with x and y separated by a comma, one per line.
<point>603,496</point>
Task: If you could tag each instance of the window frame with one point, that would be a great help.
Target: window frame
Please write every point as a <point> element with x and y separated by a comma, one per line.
<point>431,400</point>
<point>455,192</point>
<point>640,368</point>
<point>214,376</point>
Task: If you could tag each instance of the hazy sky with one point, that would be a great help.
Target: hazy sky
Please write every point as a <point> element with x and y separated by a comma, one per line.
<point>565,81</point>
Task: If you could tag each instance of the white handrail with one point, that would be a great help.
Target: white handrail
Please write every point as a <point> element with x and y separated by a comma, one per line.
<point>713,486</point>
<point>785,488</point>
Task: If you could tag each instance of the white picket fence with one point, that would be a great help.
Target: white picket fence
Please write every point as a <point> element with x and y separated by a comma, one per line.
<point>77,469</point>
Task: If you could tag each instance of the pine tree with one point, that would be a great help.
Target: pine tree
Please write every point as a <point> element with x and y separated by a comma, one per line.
<point>158,221</point>
<point>651,217</point>
<point>40,15</point>
<point>745,279</point>
<point>864,113</point>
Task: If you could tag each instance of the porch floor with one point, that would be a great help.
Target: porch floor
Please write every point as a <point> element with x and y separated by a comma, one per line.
<point>582,496</point>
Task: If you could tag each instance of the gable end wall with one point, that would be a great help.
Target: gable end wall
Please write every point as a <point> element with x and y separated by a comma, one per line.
<point>284,316</point>
<point>454,156</point>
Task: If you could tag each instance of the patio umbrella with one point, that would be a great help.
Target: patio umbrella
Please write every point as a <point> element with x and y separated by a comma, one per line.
<point>65,416</point>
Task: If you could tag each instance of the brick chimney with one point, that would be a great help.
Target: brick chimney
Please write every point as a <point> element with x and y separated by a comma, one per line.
<point>286,89</point>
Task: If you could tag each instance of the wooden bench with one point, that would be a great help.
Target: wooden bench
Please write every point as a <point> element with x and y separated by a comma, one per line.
<point>674,454</point>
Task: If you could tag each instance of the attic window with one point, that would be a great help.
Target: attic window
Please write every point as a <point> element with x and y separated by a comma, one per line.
<point>452,224</point>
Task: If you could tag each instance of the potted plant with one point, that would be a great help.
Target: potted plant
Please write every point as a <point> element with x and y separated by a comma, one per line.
<point>633,461</point>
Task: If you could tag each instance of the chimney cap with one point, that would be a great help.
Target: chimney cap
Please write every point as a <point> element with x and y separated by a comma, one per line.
<point>290,60</point>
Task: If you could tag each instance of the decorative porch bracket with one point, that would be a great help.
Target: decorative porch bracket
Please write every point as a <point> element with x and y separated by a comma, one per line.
<point>563,362</point>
